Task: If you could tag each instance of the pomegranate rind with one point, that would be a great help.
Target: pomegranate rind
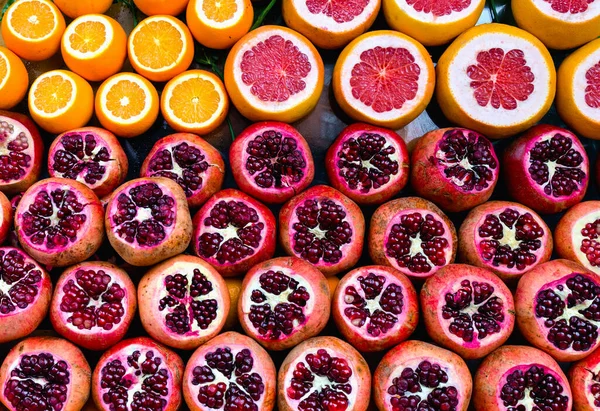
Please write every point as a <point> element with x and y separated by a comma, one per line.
<point>491,374</point>
<point>317,308</point>
<point>447,280</point>
<point>374,195</point>
<point>582,375</point>
<point>6,217</point>
<point>238,157</point>
<point>151,289</point>
<point>263,365</point>
<point>360,380</point>
<point>407,322</point>
<point>410,354</point>
<point>78,388</point>
<point>96,338</point>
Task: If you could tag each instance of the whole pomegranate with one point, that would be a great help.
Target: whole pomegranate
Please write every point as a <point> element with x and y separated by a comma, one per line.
<point>271,161</point>
<point>323,373</point>
<point>138,374</point>
<point>59,222</point>
<point>557,309</point>
<point>90,155</point>
<point>234,232</point>
<point>521,378</point>
<point>368,164</point>
<point>44,373</point>
<point>191,162</point>
<point>148,220</point>
<point>546,169</point>
<point>419,376</point>
<point>455,168</point>
<point>6,217</point>
<point>375,307</point>
<point>93,304</point>
<point>507,238</point>
<point>283,302</point>
<point>230,372</point>
<point>22,152</point>
<point>183,301</point>
<point>25,293</point>
<point>324,227</point>
<point>412,235</point>
<point>468,310</point>
<point>584,377</point>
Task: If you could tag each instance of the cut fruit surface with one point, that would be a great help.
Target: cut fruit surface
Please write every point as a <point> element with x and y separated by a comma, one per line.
<point>219,24</point>
<point>14,79</point>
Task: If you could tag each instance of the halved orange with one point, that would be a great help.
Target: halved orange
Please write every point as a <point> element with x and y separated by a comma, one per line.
<point>194,102</point>
<point>77,8</point>
<point>94,46</point>
<point>60,100</point>
<point>160,47</point>
<point>32,29</point>
<point>219,24</point>
<point>127,104</point>
<point>14,79</point>
<point>156,7</point>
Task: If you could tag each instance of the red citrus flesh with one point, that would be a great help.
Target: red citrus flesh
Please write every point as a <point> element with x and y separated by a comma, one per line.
<point>570,6</point>
<point>439,8</point>
<point>342,11</point>
<point>592,90</point>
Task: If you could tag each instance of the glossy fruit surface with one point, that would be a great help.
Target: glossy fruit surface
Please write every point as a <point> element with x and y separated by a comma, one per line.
<point>585,382</point>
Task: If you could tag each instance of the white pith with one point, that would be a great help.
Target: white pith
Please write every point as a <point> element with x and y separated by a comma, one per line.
<point>58,112</point>
<point>9,16</point>
<point>110,83</point>
<point>431,18</point>
<point>526,401</point>
<point>579,84</point>
<point>237,15</point>
<point>463,93</point>
<point>4,80</point>
<point>108,30</point>
<point>17,130</point>
<point>592,12</point>
<point>325,22</point>
<point>153,19</point>
<point>577,238</point>
<point>5,288</point>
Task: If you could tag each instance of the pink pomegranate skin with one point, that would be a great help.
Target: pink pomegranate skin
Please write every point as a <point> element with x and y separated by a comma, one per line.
<point>528,156</point>
<point>584,377</point>
<point>386,173</point>
<point>462,291</point>
<point>492,387</point>
<point>268,183</point>
<point>6,217</point>
<point>71,372</point>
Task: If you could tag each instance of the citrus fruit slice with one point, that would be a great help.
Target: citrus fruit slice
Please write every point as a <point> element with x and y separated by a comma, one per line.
<point>155,7</point>
<point>384,78</point>
<point>94,46</point>
<point>127,104</point>
<point>578,90</point>
<point>432,22</point>
<point>559,24</point>
<point>60,100</point>
<point>194,102</point>
<point>14,79</point>
<point>77,8</point>
<point>219,24</point>
<point>32,29</point>
<point>495,79</point>
<point>160,47</point>
<point>274,73</point>
<point>330,24</point>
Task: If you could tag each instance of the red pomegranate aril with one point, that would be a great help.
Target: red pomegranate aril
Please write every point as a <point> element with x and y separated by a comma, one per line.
<point>6,217</point>
<point>584,377</point>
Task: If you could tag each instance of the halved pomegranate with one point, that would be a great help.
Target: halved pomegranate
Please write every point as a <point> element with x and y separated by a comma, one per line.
<point>272,162</point>
<point>584,377</point>
<point>22,152</point>
<point>368,164</point>
<point>521,378</point>
<point>546,169</point>
<point>455,168</point>
<point>283,302</point>
<point>138,374</point>
<point>468,310</point>
<point>148,220</point>
<point>234,232</point>
<point>323,373</point>
<point>90,155</point>
<point>191,162</point>
<point>93,304</point>
<point>44,373</point>
<point>375,308</point>
<point>412,235</point>
<point>6,217</point>
<point>183,301</point>
<point>507,238</point>
<point>557,309</point>
<point>231,372</point>
<point>323,227</point>
<point>59,222</point>
<point>419,376</point>
<point>25,293</point>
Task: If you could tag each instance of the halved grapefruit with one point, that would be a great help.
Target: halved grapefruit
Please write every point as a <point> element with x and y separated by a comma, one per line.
<point>578,90</point>
<point>274,73</point>
<point>384,78</point>
<point>330,24</point>
<point>496,79</point>
<point>432,22</point>
<point>559,24</point>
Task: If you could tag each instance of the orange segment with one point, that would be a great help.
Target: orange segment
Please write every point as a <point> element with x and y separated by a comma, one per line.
<point>220,10</point>
<point>219,24</point>
<point>14,79</point>
<point>88,36</point>
<point>53,93</point>
<point>125,100</point>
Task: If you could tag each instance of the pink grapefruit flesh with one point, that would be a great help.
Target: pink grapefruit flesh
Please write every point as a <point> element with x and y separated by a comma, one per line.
<point>342,11</point>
